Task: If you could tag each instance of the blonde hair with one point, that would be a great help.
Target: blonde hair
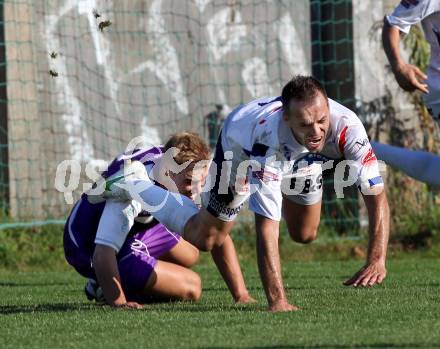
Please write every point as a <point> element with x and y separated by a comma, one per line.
<point>192,147</point>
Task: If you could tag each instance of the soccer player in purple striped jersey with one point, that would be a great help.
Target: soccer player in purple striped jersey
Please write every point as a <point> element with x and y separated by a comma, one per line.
<point>273,150</point>
<point>131,255</point>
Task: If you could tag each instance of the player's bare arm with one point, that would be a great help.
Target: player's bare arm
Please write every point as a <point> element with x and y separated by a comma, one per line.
<point>106,270</point>
<point>269,264</point>
<point>205,231</point>
<point>374,270</point>
<point>408,76</point>
<point>226,259</point>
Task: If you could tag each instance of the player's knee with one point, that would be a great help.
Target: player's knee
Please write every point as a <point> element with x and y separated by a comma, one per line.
<point>193,290</point>
<point>304,235</point>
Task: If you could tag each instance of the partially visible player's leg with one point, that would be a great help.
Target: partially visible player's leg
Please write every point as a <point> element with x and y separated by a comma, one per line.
<point>420,165</point>
<point>302,220</point>
<point>158,242</point>
<point>170,281</point>
<point>302,209</point>
<point>144,278</point>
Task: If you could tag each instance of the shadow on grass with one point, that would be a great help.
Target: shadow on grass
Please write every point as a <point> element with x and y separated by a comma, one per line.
<point>32,284</point>
<point>348,346</point>
<point>47,308</point>
<point>165,307</point>
<point>201,308</point>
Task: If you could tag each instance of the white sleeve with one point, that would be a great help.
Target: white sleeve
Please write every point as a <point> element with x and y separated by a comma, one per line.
<point>404,16</point>
<point>356,148</point>
<point>116,221</point>
<point>266,198</point>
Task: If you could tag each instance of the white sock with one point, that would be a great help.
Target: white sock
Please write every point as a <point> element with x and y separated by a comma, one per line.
<point>171,209</point>
<point>420,165</point>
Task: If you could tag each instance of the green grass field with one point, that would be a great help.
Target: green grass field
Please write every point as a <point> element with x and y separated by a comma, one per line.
<point>49,310</point>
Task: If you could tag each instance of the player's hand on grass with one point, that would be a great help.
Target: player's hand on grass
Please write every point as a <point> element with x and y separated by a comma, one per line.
<point>370,275</point>
<point>282,306</point>
<point>127,305</point>
<point>245,299</point>
<point>410,78</point>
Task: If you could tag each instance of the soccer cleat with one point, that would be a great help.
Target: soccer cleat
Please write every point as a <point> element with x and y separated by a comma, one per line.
<point>115,186</point>
<point>93,291</point>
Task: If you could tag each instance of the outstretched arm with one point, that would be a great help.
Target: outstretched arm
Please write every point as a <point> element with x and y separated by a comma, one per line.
<point>408,76</point>
<point>269,264</point>
<point>374,270</point>
<point>225,257</point>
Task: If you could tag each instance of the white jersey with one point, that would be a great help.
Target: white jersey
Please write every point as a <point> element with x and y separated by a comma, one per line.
<point>428,13</point>
<point>256,131</point>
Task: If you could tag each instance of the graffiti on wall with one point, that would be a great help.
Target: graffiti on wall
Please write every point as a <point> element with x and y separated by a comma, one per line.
<point>225,31</point>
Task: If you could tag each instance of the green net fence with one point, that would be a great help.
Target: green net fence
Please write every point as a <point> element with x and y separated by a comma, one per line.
<point>80,78</point>
<point>333,64</point>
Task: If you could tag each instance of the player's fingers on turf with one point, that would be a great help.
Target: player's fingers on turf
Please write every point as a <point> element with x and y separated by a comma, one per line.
<point>363,279</point>
<point>373,280</point>
<point>381,277</point>
<point>133,305</point>
<point>250,300</point>
<point>353,279</point>
<point>246,300</point>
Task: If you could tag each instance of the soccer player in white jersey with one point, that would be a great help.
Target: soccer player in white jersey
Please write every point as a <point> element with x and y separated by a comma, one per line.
<point>273,151</point>
<point>420,165</point>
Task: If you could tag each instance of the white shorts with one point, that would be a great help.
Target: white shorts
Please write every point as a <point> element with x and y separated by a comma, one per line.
<point>303,186</point>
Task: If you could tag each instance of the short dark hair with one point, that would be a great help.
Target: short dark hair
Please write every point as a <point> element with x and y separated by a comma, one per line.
<point>302,88</point>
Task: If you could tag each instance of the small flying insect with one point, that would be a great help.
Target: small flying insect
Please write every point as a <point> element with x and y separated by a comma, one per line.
<point>104,24</point>
<point>53,55</point>
<point>96,14</point>
<point>53,73</point>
